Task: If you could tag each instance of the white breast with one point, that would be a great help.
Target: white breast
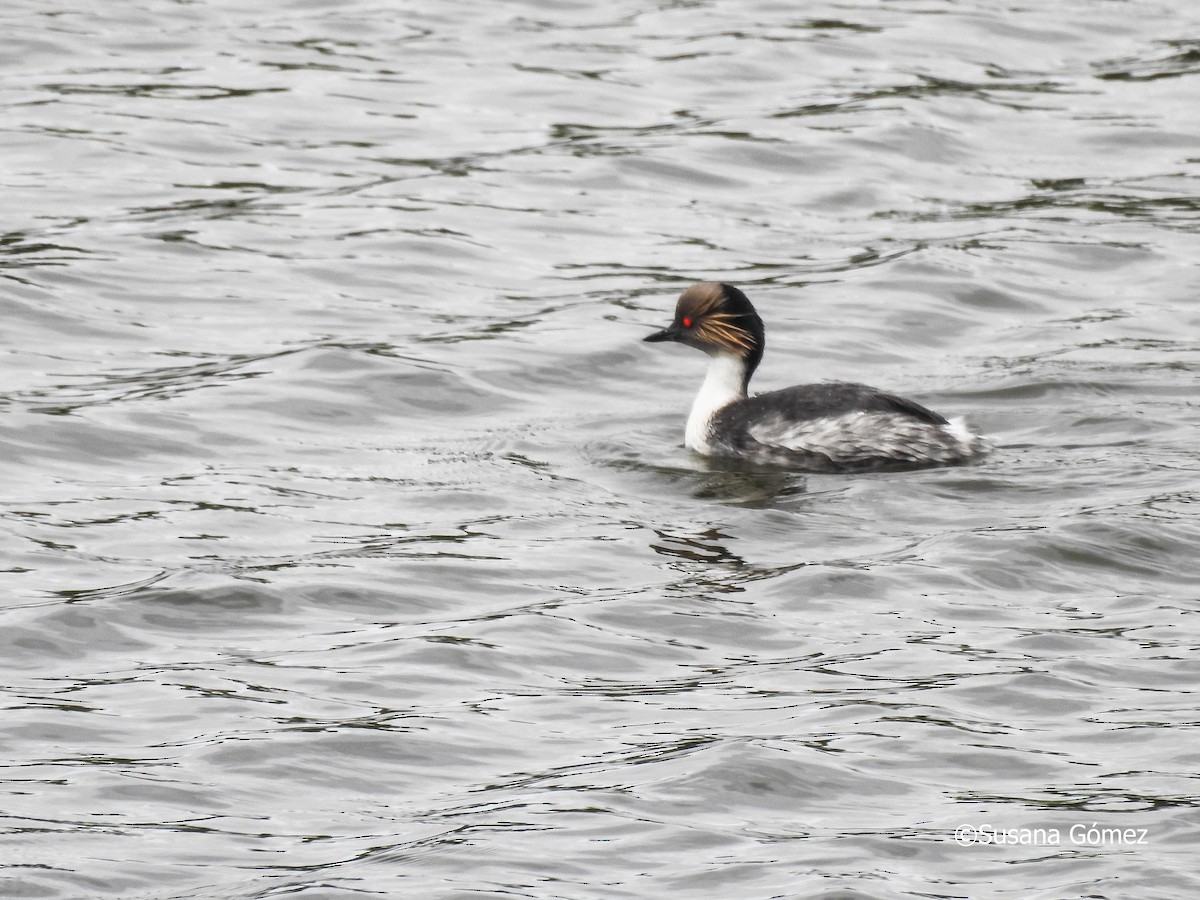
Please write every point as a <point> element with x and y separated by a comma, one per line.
<point>724,383</point>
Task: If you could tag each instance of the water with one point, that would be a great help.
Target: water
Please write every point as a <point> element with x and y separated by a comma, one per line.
<point>350,548</point>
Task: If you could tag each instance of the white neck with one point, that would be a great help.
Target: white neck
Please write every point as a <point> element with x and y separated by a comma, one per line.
<point>724,383</point>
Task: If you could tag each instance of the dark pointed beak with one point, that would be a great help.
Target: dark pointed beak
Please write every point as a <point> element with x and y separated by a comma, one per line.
<point>667,334</point>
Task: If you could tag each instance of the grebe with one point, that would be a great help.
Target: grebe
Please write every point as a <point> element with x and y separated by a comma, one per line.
<point>834,427</point>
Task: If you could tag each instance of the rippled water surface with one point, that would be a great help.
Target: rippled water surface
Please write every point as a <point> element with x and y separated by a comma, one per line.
<point>349,545</point>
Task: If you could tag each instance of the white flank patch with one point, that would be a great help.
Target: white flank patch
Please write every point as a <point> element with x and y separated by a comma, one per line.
<point>869,434</point>
<point>970,442</point>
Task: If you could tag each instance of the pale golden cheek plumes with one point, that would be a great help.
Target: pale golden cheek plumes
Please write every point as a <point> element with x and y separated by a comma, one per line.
<point>719,329</point>
<point>699,313</point>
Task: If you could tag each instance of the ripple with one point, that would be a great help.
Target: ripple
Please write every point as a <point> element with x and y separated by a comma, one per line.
<point>350,542</point>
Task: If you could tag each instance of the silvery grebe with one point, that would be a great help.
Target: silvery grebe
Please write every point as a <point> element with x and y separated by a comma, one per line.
<point>834,427</point>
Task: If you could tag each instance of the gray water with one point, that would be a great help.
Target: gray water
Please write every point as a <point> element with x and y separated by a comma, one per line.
<point>350,548</point>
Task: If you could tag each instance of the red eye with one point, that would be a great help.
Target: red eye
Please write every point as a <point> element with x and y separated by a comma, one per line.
<point>687,321</point>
